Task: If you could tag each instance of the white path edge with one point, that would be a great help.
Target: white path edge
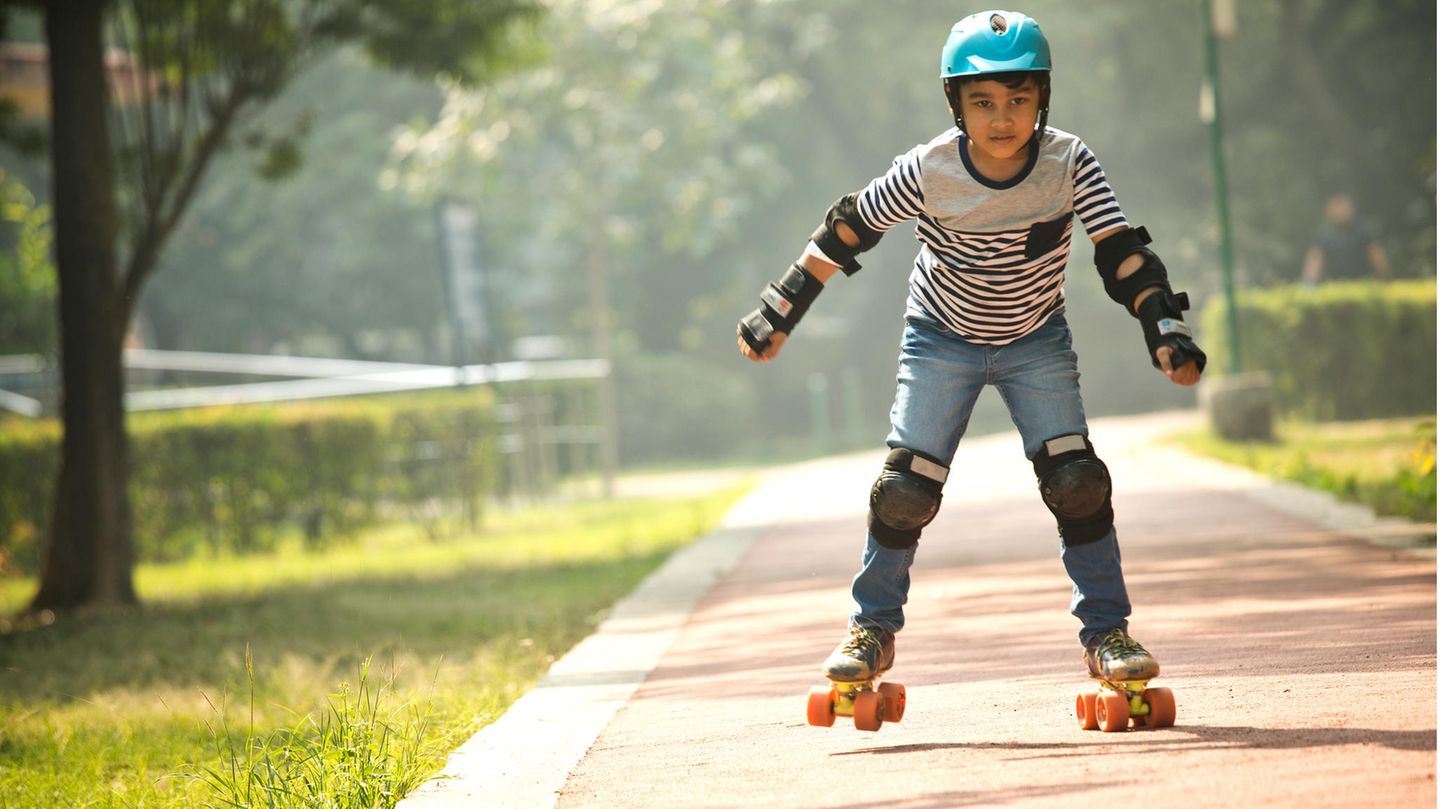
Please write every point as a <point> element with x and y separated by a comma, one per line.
<point>524,758</point>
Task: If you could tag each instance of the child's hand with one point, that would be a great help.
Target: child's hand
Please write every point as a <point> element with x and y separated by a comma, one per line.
<point>1187,374</point>
<point>776,340</point>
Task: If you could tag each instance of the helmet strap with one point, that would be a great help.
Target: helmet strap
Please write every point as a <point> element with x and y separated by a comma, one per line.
<point>952,97</point>
<point>1043,119</point>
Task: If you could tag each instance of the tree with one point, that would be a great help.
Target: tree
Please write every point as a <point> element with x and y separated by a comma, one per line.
<point>206,66</point>
<point>642,108</point>
<point>326,257</point>
<point>90,551</point>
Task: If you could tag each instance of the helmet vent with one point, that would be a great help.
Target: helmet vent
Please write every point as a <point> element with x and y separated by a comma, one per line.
<point>999,24</point>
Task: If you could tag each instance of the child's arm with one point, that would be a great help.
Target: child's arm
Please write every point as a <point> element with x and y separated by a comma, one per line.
<point>833,247</point>
<point>1136,279</point>
<point>854,224</point>
<point>760,345</point>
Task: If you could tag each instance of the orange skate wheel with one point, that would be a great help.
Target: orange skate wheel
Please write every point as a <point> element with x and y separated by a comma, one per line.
<point>1162,707</point>
<point>868,711</point>
<point>1112,711</point>
<point>820,710</point>
<point>1085,710</point>
<point>893,695</point>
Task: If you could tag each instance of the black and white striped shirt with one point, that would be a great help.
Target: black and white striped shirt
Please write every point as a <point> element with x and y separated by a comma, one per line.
<point>992,255</point>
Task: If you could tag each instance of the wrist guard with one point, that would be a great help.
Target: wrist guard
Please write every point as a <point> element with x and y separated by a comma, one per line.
<point>782,304</point>
<point>828,239</point>
<point>1112,250</point>
<point>1163,326</point>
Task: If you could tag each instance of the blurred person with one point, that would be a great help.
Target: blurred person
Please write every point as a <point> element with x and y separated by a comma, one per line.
<point>994,197</point>
<point>1345,247</point>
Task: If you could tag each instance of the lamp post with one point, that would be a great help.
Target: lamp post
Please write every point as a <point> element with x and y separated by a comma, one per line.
<point>1241,406</point>
<point>1220,21</point>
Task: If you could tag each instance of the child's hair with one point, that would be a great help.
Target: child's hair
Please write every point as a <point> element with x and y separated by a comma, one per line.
<point>1014,80</point>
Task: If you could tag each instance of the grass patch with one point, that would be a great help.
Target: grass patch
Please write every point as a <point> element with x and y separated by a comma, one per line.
<point>269,680</point>
<point>1386,464</point>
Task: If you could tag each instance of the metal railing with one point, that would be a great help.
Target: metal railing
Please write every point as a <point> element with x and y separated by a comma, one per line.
<point>532,442</point>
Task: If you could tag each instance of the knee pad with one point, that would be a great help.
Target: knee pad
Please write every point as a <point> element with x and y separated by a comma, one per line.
<point>905,498</point>
<point>1075,486</point>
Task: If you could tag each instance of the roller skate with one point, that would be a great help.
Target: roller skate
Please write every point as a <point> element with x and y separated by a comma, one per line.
<point>1123,669</point>
<point>854,670</point>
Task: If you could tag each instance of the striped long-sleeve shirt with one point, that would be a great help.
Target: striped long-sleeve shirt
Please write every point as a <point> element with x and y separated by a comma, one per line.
<point>992,254</point>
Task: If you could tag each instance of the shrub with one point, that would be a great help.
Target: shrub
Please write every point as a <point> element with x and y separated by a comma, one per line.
<point>235,479</point>
<point>674,407</point>
<point>1347,350</point>
<point>29,461</point>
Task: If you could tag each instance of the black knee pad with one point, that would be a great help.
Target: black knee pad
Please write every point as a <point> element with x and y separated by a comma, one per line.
<point>905,498</point>
<point>1075,486</point>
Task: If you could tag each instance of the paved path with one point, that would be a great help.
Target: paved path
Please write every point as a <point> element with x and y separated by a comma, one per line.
<point>1301,652</point>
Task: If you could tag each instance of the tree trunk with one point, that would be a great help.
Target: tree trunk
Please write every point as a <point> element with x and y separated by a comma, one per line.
<point>90,553</point>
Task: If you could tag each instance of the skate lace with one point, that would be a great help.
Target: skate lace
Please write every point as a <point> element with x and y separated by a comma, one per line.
<point>863,644</point>
<point>1119,644</point>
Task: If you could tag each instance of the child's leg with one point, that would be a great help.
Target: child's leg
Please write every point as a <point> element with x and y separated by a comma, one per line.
<point>940,378</point>
<point>1038,378</point>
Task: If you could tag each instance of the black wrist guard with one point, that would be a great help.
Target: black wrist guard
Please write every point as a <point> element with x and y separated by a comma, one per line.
<point>828,239</point>
<point>782,304</point>
<point>1163,326</point>
<point>1112,250</point>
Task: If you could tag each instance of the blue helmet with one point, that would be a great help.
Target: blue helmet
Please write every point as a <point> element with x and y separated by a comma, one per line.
<point>994,42</point>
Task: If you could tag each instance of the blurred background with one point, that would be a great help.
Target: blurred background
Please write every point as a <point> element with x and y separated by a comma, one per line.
<point>637,172</point>
<point>682,152</point>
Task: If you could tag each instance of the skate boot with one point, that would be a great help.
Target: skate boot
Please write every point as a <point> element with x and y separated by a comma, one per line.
<point>867,654</point>
<point>1116,657</point>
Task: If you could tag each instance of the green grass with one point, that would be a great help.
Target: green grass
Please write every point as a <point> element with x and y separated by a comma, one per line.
<point>1387,464</point>
<point>306,676</point>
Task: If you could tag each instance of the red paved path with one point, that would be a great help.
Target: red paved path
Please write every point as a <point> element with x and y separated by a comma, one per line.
<point>1302,659</point>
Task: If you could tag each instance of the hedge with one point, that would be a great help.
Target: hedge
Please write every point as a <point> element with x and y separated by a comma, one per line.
<point>234,480</point>
<point>1340,351</point>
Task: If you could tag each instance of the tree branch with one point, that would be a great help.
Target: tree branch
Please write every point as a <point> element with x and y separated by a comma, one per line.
<point>165,215</point>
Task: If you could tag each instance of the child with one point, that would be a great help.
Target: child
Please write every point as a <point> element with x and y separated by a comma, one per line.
<point>994,197</point>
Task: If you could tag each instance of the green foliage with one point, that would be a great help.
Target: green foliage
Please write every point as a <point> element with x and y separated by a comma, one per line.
<point>362,752</point>
<point>447,460</point>
<point>672,407</point>
<point>1387,465</point>
<point>233,484</point>
<point>215,68</point>
<point>29,463</point>
<point>470,41</point>
<point>325,263</point>
<point>1347,350</point>
<point>227,481</point>
<point>117,708</point>
<point>635,149</point>
<point>27,278</point>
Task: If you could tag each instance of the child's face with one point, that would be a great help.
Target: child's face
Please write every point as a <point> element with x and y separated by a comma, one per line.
<point>999,120</point>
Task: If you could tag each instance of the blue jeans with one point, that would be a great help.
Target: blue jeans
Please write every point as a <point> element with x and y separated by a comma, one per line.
<point>940,379</point>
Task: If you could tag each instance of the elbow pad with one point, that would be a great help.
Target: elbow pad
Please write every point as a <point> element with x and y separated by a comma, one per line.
<point>828,239</point>
<point>1112,251</point>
